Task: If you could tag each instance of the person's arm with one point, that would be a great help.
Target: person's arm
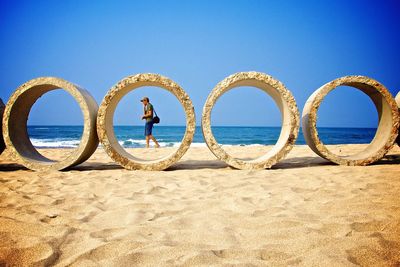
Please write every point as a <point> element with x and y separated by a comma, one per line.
<point>148,114</point>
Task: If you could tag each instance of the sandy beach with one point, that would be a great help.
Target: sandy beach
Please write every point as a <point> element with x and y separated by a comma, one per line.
<point>305,211</point>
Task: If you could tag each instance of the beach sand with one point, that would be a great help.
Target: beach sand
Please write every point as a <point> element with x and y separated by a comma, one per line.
<point>305,211</point>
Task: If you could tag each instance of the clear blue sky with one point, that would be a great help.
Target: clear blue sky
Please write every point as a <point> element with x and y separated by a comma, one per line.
<point>304,44</point>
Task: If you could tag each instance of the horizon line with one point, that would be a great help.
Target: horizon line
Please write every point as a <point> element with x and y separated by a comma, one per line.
<point>233,126</point>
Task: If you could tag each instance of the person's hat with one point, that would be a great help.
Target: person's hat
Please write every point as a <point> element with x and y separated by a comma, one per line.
<point>145,98</point>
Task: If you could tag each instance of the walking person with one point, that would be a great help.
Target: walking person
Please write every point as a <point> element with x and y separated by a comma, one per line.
<point>148,116</point>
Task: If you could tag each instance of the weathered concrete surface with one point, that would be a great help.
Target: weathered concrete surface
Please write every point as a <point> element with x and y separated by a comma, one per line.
<point>105,127</point>
<point>2,144</point>
<point>282,97</point>
<point>387,127</point>
<point>398,104</point>
<point>15,124</point>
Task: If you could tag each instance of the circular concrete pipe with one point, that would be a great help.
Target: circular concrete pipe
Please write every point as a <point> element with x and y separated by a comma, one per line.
<point>287,106</point>
<point>15,124</point>
<point>105,127</point>
<point>398,105</point>
<point>385,135</point>
<point>2,145</point>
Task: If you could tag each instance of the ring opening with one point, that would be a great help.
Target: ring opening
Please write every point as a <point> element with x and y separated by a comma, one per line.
<point>354,125</point>
<point>129,127</point>
<point>386,132</point>
<point>384,125</point>
<point>105,120</point>
<point>53,125</point>
<point>17,114</point>
<point>246,122</point>
<point>283,99</point>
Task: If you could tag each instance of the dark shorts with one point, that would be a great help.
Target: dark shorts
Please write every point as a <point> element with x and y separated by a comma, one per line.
<point>148,128</point>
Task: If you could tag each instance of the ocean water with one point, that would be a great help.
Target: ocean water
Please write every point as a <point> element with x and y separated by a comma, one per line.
<point>170,136</point>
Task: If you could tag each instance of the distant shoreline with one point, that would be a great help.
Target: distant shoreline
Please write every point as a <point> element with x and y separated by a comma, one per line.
<point>43,136</point>
<point>216,126</point>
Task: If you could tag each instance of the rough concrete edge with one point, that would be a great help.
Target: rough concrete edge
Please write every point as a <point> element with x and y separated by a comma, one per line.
<point>216,93</point>
<point>310,122</point>
<point>166,84</point>
<point>89,140</point>
<point>398,105</point>
<point>2,144</point>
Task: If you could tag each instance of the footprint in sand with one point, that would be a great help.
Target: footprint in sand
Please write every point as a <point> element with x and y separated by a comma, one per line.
<point>58,201</point>
<point>382,253</point>
<point>41,254</point>
<point>109,234</point>
<point>108,252</point>
<point>368,226</point>
<point>165,214</point>
<point>303,190</point>
<point>282,224</point>
<point>271,254</point>
<point>156,190</point>
<point>268,212</point>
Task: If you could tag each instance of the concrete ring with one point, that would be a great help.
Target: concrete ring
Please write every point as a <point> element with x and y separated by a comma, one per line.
<point>398,105</point>
<point>2,144</point>
<point>385,135</point>
<point>15,124</point>
<point>282,97</point>
<point>105,127</point>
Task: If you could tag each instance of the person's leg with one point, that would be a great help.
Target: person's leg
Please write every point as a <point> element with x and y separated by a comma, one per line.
<point>147,133</point>
<point>154,140</point>
<point>150,132</point>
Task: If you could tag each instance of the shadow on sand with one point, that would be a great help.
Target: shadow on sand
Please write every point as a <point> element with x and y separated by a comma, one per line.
<point>290,163</point>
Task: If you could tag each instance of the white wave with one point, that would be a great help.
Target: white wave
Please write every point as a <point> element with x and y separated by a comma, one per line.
<point>60,143</point>
<point>169,144</point>
<point>177,144</point>
<point>229,145</point>
<point>142,143</point>
<point>139,141</point>
<point>53,143</point>
<point>132,142</point>
<point>254,145</point>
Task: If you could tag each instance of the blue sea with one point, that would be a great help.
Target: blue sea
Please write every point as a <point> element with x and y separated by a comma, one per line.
<point>170,136</point>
